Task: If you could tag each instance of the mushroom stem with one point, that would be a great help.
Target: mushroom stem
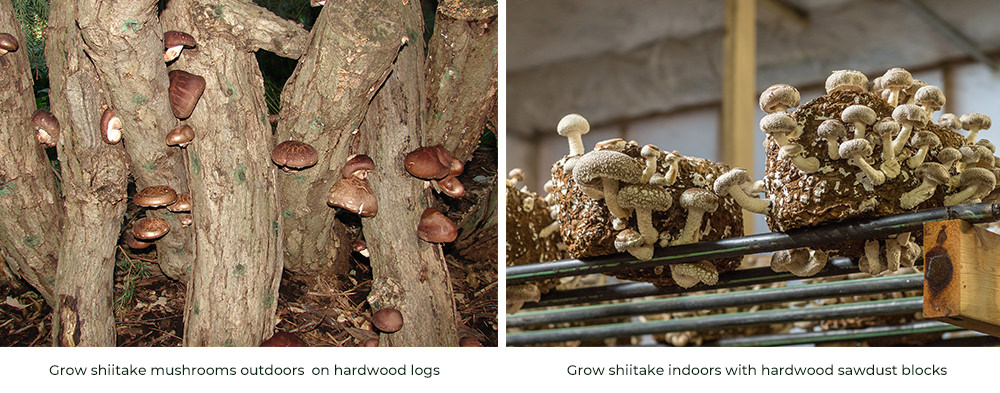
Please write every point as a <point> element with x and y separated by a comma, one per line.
<point>973,134</point>
<point>859,130</point>
<point>575,145</point>
<point>833,148</point>
<point>756,205</point>
<point>644,219</point>
<point>692,228</point>
<point>918,195</point>
<point>894,96</point>
<point>671,175</point>
<point>890,167</point>
<point>918,158</point>
<point>806,164</point>
<point>961,196</point>
<point>611,198</point>
<point>904,135</point>
<point>548,230</point>
<point>892,254</point>
<point>650,169</point>
<point>877,177</point>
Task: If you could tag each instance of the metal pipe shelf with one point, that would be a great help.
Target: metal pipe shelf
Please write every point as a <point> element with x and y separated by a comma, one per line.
<point>837,335</point>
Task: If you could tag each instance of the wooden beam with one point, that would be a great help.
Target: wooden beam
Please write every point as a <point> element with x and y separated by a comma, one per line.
<point>736,139</point>
<point>962,279</point>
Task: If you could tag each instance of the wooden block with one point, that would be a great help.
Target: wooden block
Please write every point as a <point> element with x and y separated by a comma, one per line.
<point>962,275</point>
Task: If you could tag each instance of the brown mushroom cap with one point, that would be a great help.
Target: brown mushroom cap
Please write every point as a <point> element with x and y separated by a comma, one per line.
<point>180,136</point>
<point>111,127</point>
<point>155,196</point>
<point>435,227</point>
<point>468,341</point>
<point>455,167</point>
<point>354,195</point>
<point>177,38</point>
<point>8,43</point>
<point>184,92</point>
<point>186,220</point>
<point>294,155</point>
<point>150,228</point>
<point>451,186</point>
<point>182,204</point>
<point>423,163</point>
<point>47,127</point>
<point>388,320</point>
<point>283,339</point>
<point>357,166</point>
<point>133,243</point>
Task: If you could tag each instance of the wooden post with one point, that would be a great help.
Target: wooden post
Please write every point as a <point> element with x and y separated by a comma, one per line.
<point>736,138</point>
<point>962,278</point>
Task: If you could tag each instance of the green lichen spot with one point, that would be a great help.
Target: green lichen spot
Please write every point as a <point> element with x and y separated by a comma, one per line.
<point>239,270</point>
<point>268,298</point>
<point>229,343</point>
<point>287,213</point>
<point>241,174</point>
<point>195,162</point>
<point>32,241</point>
<point>437,115</point>
<point>218,11</point>
<point>197,308</point>
<point>131,25</point>
<point>139,99</point>
<point>230,89</point>
<point>263,119</point>
<point>494,50</point>
<point>150,167</point>
<point>7,189</point>
<point>301,179</point>
<point>316,123</point>
<point>275,227</point>
<point>450,73</point>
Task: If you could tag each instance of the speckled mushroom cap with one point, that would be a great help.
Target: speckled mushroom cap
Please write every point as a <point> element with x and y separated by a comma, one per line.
<point>981,176</point>
<point>886,126</point>
<point>8,43</point>
<point>635,196</point>
<point>897,78</point>
<point>150,228</point>
<point>931,97</point>
<point>949,154</point>
<point>777,123</point>
<point>155,196</point>
<point>856,148</point>
<point>779,96</point>
<point>599,164</point>
<point>182,204</point>
<point>627,238</point>
<point>910,114</point>
<point>294,154</point>
<point>970,120</point>
<point>831,129</point>
<point>734,177</point>
<point>180,136</point>
<point>987,144</point>
<point>847,80</point>
<point>926,138</point>
<point>699,198</point>
<point>950,122</point>
<point>650,151</point>
<point>932,171</point>
<point>975,153</point>
<point>858,114</point>
<point>354,195</point>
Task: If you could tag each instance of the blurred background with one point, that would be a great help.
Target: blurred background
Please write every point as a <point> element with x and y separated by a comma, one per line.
<point>654,71</point>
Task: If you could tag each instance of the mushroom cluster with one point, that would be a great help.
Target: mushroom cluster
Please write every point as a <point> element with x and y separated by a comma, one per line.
<point>148,229</point>
<point>352,192</point>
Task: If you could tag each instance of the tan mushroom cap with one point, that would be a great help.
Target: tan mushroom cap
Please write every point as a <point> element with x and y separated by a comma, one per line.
<point>897,78</point>
<point>294,155</point>
<point>735,177</point>
<point>860,148</point>
<point>910,114</point>
<point>925,138</point>
<point>931,97</point>
<point>182,204</point>
<point>388,320</point>
<point>778,98</point>
<point>859,114</point>
<point>353,194</point>
<point>150,228</point>
<point>975,120</point>
<point>626,239</point>
<point>607,164</point>
<point>699,198</point>
<point>435,227</point>
<point>778,123</point>
<point>887,126</point>
<point>155,196</point>
<point>983,177</point>
<point>950,122</point>
<point>831,129</point>
<point>180,136</point>
<point>850,80</point>
<point>948,155</point>
<point>635,196</point>
<point>932,172</point>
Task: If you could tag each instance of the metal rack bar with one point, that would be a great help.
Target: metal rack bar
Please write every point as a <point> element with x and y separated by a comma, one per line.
<point>837,335</point>
<point>774,241</point>
<point>722,300</point>
<point>873,308</point>
<point>738,278</point>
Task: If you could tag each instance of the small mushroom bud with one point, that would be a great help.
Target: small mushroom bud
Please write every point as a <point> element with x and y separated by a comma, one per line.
<point>451,186</point>
<point>976,183</point>
<point>150,228</point>
<point>856,152</point>
<point>184,92</point>
<point>516,175</point>
<point>974,122</point>
<point>895,80</point>
<point>354,195</point>
<point>872,262</point>
<point>8,43</point>
<point>180,136</point>
<point>931,99</point>
<point>645,199</point>
<point>673,160</point>
<point>573,127</point>
<point>388,320</point>
<point>778,125</point>
<point>923,141</point>
<point>697,202</point>
<point>861,116</point>
<point>358,166</point>
<point>174,42</point>
<point>932,174</point>
<point>832,130</point>
<point>687,275</point>
<point>778,98</point>
<point>650,153</point>
<point>795,151</point>
<point>911,92</point>
<point>632,242</point>
<point>908,116</point>
<point>155,196</point>
<point>730,184</point>
<point>46,127</point>
<point>849,80</point>
<point>294,155</point>
<point>435,227</point>
<point>111,127</point>
<point>885,129</point>
<point>987,144</point>
<point>186,220</point>
<point>182,204</point>
<point>283,339</point>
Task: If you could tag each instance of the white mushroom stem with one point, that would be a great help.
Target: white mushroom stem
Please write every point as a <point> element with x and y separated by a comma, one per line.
<point>890,167</point>
<point>173,52</point>
<point>973,134</point>
<point>644,219</point>
<point>904,135</point>
<point>595,193</point>
<point>918,158</point>
<point>877,177</point>
<point>687,275</point>
<point>756,205</point>
<point>807,165</point>
<point>692,228</point>
<point>918,195</point>
<point>549,230</point>
<point>575,144</point>
<point>833,148</point>
<point>859,130</point>
<point>611,198</point>
<point>671,175</point>
<point>894,96</point>
<point>893,252</point>
<point>963,196</point>
<point>873,256</point>
<point>754,188</point>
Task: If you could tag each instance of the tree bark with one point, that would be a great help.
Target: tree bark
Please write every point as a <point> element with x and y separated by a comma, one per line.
<point>29,202</point>
<point>461,75</point>
<point>409,274</point>
<point>232,293</point>
<point>323,103</point>
<point>94,180</point>
<point>124,39</point>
